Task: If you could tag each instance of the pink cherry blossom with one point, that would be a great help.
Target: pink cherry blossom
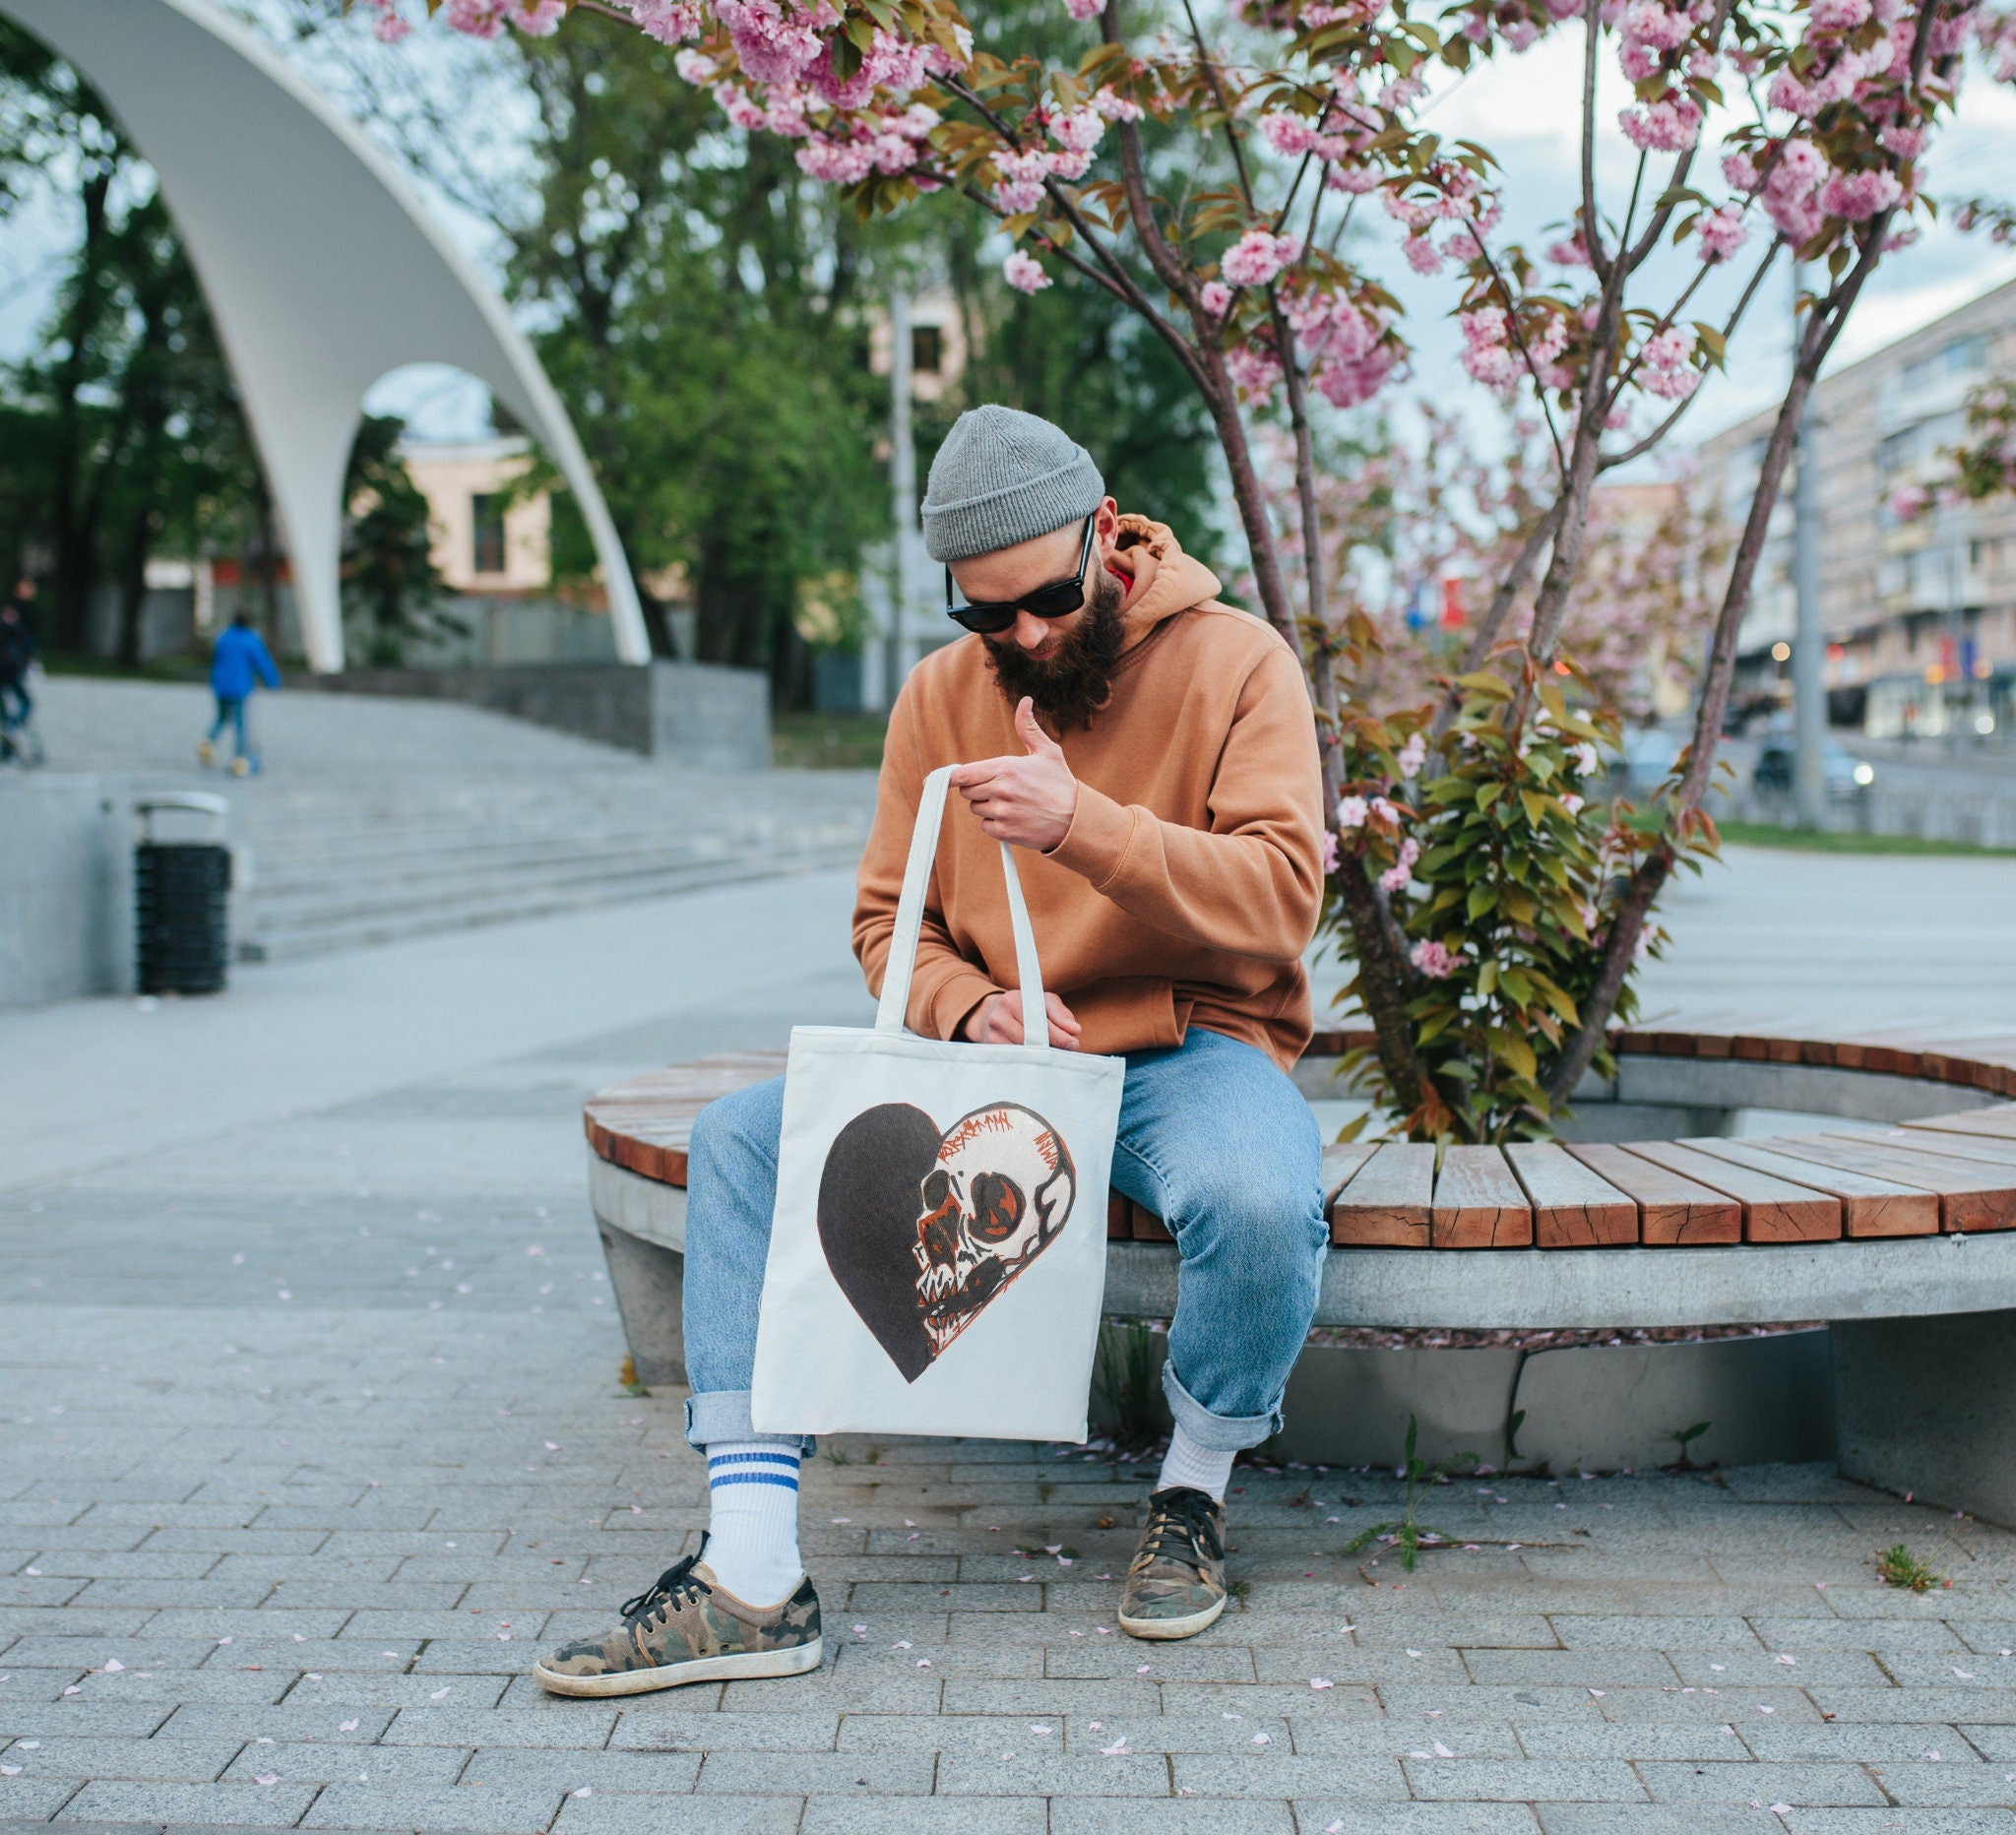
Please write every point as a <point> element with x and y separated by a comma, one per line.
<point>1435,960</point>
<point>1423,256</point>
<point>1720,233</point>
<point>1329,852</point>
<point>670,21</point>
<point>1859,196</point>
<point>1257,257</point>
<point>1413,755</point>
<point>1396,876</point>
<point>1669,126</point>
<point>1084,9</point>
<point>1255,373</point>
<point>390,28</point>
<point>1024,273</point>
<point>537,19</point>
<point>476,19</point>
<point>1351,812</point>
<point>1667,368</point>
<point>1215,298</point>
<point>1116,108</point>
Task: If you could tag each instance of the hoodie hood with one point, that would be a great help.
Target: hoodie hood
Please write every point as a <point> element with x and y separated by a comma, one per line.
<point>1165,580</point>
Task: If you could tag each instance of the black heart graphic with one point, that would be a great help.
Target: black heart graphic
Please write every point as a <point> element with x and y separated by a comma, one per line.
<point>923,1232</point>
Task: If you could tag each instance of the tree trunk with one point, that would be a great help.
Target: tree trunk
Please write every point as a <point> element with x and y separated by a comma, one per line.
<point>70,531</point>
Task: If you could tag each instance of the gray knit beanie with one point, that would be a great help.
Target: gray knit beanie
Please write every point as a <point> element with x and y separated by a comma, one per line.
<point>1003,476</point>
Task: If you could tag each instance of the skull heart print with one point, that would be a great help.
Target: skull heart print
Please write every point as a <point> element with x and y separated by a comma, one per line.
<point>937,1253</point>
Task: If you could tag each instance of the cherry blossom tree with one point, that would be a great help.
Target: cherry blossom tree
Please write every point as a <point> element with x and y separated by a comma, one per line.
<point>1215,175</point>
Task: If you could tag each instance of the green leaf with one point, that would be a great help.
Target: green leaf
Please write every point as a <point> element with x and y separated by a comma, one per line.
<point>1482,897</point>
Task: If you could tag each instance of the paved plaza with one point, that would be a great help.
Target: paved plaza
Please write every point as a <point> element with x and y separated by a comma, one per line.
<point>312,1436</point>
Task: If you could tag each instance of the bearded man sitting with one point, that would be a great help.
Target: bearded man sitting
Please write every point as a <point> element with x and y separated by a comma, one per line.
<point>1153,754</point>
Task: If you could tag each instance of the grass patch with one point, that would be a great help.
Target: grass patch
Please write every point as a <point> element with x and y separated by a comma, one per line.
<point>827,741</point>
<point>1822,841</point>
<point>1899,1567</point>
<point>104,669</point>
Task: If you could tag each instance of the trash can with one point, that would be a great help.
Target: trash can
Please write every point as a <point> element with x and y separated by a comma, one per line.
<point>182,896</point>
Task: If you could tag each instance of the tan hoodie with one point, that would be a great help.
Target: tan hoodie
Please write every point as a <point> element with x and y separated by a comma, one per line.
<point>1188,884</point>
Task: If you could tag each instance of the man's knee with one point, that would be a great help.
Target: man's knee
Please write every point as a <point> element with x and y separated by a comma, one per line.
<point>1267,1222</point>
<point>736,1132</point>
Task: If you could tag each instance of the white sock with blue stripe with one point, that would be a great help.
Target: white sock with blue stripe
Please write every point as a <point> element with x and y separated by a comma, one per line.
<point>752,1542</point>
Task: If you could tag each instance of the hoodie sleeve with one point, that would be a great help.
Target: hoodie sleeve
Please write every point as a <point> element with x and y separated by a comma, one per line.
<point>1251,884</point>
<point>944,987</point>
<point>262,660</point>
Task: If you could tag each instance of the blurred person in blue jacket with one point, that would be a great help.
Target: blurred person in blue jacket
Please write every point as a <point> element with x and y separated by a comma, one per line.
<point>237,664</point>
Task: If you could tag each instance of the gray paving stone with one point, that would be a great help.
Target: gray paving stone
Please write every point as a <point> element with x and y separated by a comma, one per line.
<point>1178,1816</point>
<point>1350,1819</point>
<point>314,1761</point>
<point>927,1816</point>
<point>1956,1704</point>
<point>745,1773</point>
<point>629,1772</point>
<point>1815,1783</point>
<point>351,1689</point>
<point>1530,1780</point>
<point>1597,1669</point>
<point>178,1762</point>
<point>670,1731</point>
<point>1393,1736</point>
<point>34,1801</point>
<point>233,1805</point>
<point>1026,1768</point>
<point>1353,1779</point>
<point>372,1805</point>
<point>1657,1819</point>
<point>1912,1821</point>
<point>1629,1741</point>
<point>690,1816</point>
<point>1954,1778</point>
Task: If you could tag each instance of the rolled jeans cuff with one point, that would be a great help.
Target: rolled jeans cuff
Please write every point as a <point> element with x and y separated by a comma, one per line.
<point>1222,1433</point>
<point>724,1414</point>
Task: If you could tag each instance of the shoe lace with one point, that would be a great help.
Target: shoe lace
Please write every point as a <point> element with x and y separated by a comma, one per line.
<point>672,1589</point>
<point>1180,1527</point>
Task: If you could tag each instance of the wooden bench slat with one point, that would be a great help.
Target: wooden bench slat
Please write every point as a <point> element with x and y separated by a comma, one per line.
<point>1988,1149</point>
<point>1672,1209</point>
<point>1340,1160</point>
<point>1119,1222</point>
<point>1573,1207</point>
<point>1478,1202</point>
<point>1869,1205</point>
<point>1998,1123</point>
<point>1775,1210</point>
<point>1972,1194</point>
<point>1386,1202</point>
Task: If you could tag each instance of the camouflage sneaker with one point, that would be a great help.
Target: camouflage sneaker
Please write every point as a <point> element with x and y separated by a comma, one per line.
<point>1176,1584</point>
<point>688,1628</point>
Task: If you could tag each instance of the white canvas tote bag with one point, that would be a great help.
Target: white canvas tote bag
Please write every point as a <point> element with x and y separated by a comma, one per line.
<point>937,1255</point>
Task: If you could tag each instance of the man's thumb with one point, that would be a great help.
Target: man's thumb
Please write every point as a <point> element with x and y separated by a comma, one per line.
<point>1034,737</point>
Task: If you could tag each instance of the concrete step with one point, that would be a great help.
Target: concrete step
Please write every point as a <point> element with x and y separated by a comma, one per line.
<point>313,933</point>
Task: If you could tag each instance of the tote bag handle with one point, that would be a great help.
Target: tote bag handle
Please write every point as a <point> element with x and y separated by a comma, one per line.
<point>909,923</point>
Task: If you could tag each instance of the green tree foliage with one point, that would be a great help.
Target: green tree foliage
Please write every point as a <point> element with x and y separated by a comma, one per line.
<point>390,586</point>
<point>122,435</point>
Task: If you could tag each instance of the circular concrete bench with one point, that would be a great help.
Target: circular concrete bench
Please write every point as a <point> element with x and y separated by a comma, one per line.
<point>1903,1240</point>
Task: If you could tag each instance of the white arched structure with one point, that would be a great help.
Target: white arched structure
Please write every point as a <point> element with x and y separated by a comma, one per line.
<point>322,269</point>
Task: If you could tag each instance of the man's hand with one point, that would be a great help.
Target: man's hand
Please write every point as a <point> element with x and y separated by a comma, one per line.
<point>997,1020</point>
<point>1030,800</point>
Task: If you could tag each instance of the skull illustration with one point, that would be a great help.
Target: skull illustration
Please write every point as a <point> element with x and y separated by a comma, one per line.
<point>1000,1190</point>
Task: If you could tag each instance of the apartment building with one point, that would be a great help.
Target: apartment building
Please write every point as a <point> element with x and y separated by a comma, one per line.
<point>1919,616</point>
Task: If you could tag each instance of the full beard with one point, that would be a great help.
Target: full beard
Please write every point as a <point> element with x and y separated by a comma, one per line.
<point>1073,685</point>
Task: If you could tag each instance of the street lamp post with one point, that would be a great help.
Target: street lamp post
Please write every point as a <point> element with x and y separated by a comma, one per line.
<point>1809,642</point>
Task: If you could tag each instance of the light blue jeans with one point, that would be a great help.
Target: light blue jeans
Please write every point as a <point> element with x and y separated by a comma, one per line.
<point>1214,1139</point>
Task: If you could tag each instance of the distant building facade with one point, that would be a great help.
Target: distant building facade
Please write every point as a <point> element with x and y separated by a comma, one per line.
<point>1919,617</point>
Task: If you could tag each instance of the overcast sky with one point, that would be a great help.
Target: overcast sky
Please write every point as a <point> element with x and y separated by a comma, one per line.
<point>1522,107</point>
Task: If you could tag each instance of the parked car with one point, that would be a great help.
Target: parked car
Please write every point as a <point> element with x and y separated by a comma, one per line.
<point>1847,775</point>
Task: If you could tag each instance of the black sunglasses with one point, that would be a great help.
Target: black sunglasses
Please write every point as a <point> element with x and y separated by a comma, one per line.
<point>1058,599</point>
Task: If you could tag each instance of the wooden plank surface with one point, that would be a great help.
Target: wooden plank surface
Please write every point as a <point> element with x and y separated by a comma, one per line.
<point>1987,1148</point>
<point>1869,1205</point>
<point>1479,1203</point>
<point>1386,1202</point>
<point>1341,1158</point>
<point>1972,1194</point>
<point>1119,1217</point>
<point>1998,1123</point>
<point>1672,1209</point>
<point>1147,1227</point>
<point>1775,1210</point>
<point>1573,1207</point>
